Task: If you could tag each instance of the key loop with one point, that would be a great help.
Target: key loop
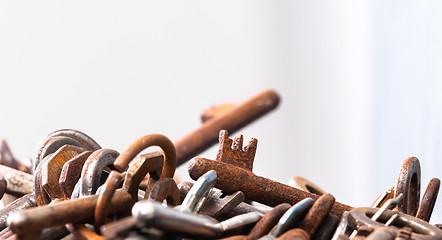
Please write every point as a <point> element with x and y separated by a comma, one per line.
<point>306,185</point>
<point>134,176</point>
<point>409,184</point>
<point>122,162</point>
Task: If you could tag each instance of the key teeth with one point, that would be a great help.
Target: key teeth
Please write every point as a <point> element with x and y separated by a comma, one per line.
<point>237,142</point>
<point>236,154</point>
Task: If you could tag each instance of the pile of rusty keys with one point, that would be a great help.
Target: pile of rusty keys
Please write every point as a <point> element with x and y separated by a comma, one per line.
<point>79,190</point>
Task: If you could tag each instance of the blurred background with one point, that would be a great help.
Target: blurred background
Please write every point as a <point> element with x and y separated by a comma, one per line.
<point>360,81</point>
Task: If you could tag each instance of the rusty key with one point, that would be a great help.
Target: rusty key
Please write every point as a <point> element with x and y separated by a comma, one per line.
<point>234,165</point>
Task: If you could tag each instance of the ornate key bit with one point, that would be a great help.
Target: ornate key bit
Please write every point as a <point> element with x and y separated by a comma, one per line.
<point>236,154</point>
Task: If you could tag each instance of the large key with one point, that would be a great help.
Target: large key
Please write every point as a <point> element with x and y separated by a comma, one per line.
<point>234,167</point>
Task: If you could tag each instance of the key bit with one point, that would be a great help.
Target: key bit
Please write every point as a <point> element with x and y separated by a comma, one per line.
<point>232,152</point>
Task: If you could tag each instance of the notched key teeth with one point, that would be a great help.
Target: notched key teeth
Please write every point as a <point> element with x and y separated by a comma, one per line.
<point>236,154</point>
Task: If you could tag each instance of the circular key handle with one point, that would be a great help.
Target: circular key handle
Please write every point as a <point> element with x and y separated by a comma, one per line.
<point>306,185</point>
<point>421,230</point>
<point>409,184</point>
<point>59,138</point>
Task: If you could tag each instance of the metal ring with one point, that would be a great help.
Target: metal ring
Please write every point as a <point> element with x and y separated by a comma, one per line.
<point>409,184</point>
<point>47,146</point>
<point>122,162</point>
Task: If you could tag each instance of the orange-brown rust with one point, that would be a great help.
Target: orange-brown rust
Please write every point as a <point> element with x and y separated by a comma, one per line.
<point>232,178</point>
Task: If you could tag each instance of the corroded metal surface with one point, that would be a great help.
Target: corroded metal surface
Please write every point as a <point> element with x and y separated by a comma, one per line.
<point>27,201</point>
<point>71,172</point>
<point>409,184</point>
<point>234,176</point>
<point>428,200</point>
<point>18,183</point>
<point>51,170</point>
<point>60,213</point>
<point>93,170</point>
<point>169,166</point>
<point>267,222</point>
<point>317,213</point>
<point>103,203</point>
<point>294,234</point>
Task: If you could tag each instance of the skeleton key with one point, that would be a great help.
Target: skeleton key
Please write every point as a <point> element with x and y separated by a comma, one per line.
<point>428,200</point>
<point>234,165</point>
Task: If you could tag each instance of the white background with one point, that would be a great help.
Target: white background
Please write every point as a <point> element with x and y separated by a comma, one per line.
<point>360,81</point>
